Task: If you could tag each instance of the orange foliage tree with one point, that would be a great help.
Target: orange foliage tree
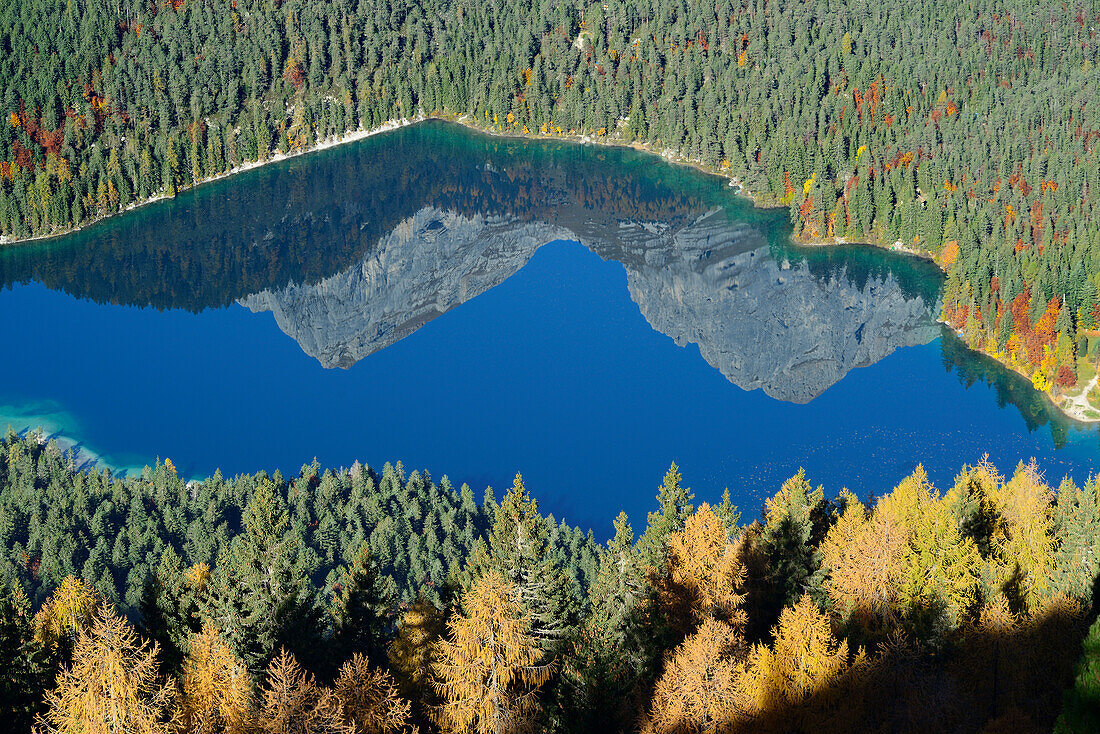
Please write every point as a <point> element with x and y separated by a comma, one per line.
<point>113,686</point>
<point>487,670</point>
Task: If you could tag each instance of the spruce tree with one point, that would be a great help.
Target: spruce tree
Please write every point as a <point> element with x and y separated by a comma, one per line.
<point>260,598</point>
<point>675,505</point>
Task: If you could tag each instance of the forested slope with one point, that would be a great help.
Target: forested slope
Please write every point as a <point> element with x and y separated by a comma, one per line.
<point>969,131</point>
<point>347,601</point>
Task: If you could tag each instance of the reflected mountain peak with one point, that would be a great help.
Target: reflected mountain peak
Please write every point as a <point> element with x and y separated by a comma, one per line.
<point>354,248</point>
<point>430,263</point>
<point>712,281</point>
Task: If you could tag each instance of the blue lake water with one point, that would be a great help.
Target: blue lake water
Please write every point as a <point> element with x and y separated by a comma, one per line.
<point>441,313</point>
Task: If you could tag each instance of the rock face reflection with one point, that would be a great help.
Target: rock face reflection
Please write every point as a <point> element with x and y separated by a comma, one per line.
<point>763,321</point>
<point>355,248</point>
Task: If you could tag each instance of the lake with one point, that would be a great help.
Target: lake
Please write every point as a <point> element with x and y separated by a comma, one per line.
<point>477,306</point>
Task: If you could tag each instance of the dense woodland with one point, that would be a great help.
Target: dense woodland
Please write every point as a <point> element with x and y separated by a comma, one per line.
<point>348,601</point>
<point>967,130</point>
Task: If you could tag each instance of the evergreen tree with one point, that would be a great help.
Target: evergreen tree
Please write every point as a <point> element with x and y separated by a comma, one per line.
<point>259,597</point>
<point>363,609</point>
<point>1076,526</point>
<point>675,505</point>
<point>25,667</point>
<point>519,550</point>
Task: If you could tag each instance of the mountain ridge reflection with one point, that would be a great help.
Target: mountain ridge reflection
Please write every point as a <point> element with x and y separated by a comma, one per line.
<point>354,248</point>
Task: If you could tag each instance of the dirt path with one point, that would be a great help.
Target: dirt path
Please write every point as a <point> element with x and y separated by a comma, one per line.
<point>1078,405</point>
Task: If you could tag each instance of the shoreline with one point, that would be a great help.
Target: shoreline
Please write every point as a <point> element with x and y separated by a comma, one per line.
<point>1071,410</point>
<point>327,143</point>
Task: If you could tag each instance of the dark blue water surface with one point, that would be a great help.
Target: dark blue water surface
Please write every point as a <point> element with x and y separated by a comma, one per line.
<point>423,319</point>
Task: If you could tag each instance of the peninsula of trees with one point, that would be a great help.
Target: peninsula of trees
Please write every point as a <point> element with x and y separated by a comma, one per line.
<point>965,131</point>
<point>351,601</point>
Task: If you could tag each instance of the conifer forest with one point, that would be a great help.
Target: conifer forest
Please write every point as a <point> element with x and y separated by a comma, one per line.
<point>356,601</point>
<point>359,600</point>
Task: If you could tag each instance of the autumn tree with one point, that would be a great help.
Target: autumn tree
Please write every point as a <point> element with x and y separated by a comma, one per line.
<point>940,568</point>
<point>804,664</point>
<point>700,688</point>
<point>488,667</point>
<point>863,557</point>
<point>704,575</point>
<point>216,690</point>
<point>369,699</point>
<point>410,654</point>
<point>907,564</point>
<point>1023,544</point>
<point>292,702</point>
<point>68,612</point>
<point>113,686</point>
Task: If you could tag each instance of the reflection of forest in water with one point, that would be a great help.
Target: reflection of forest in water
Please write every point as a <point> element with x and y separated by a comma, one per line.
<point>311,217</point>
<point>316,217</point>
<point>1011,388</point>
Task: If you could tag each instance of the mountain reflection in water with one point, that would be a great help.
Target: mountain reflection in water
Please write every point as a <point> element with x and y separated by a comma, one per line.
<point>355,248</point>
<point>764,321</point>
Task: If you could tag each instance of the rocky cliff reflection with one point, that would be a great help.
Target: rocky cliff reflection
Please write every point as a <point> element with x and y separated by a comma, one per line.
<point>764,318</point>
<point>357,247</point>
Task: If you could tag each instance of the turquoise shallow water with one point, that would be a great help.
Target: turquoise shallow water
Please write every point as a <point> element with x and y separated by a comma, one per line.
<point>396,299</point>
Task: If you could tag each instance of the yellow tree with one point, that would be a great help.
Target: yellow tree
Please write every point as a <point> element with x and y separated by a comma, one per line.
<point>699,688</point>
<point>410,653</point>
<point>908,562</point>
<point>940,569</point>
<point>1023,543</point>
<point>112,687</point>
<point>293,703</point>
<point>704,574</point>
<point>804,661</point>
<point>68,612</point>
<point>487,669</point>
<point>986,661</point>
<point>216,689</point>
<point>864,558</point>
<point>369,699</point>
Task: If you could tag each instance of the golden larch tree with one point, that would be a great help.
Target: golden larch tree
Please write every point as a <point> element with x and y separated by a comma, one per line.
<point>216,689</point>
<point>410,653</point>
<point>1023,543</point>
<point>805,660</point>
<point>704,574</point>
<point>369,699</point>
<point>293,702</point>
<point>487,669</point>
<point>865,562</point>
<point>113,686</point>
<point>68,612</point>
<point>699,690</point>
